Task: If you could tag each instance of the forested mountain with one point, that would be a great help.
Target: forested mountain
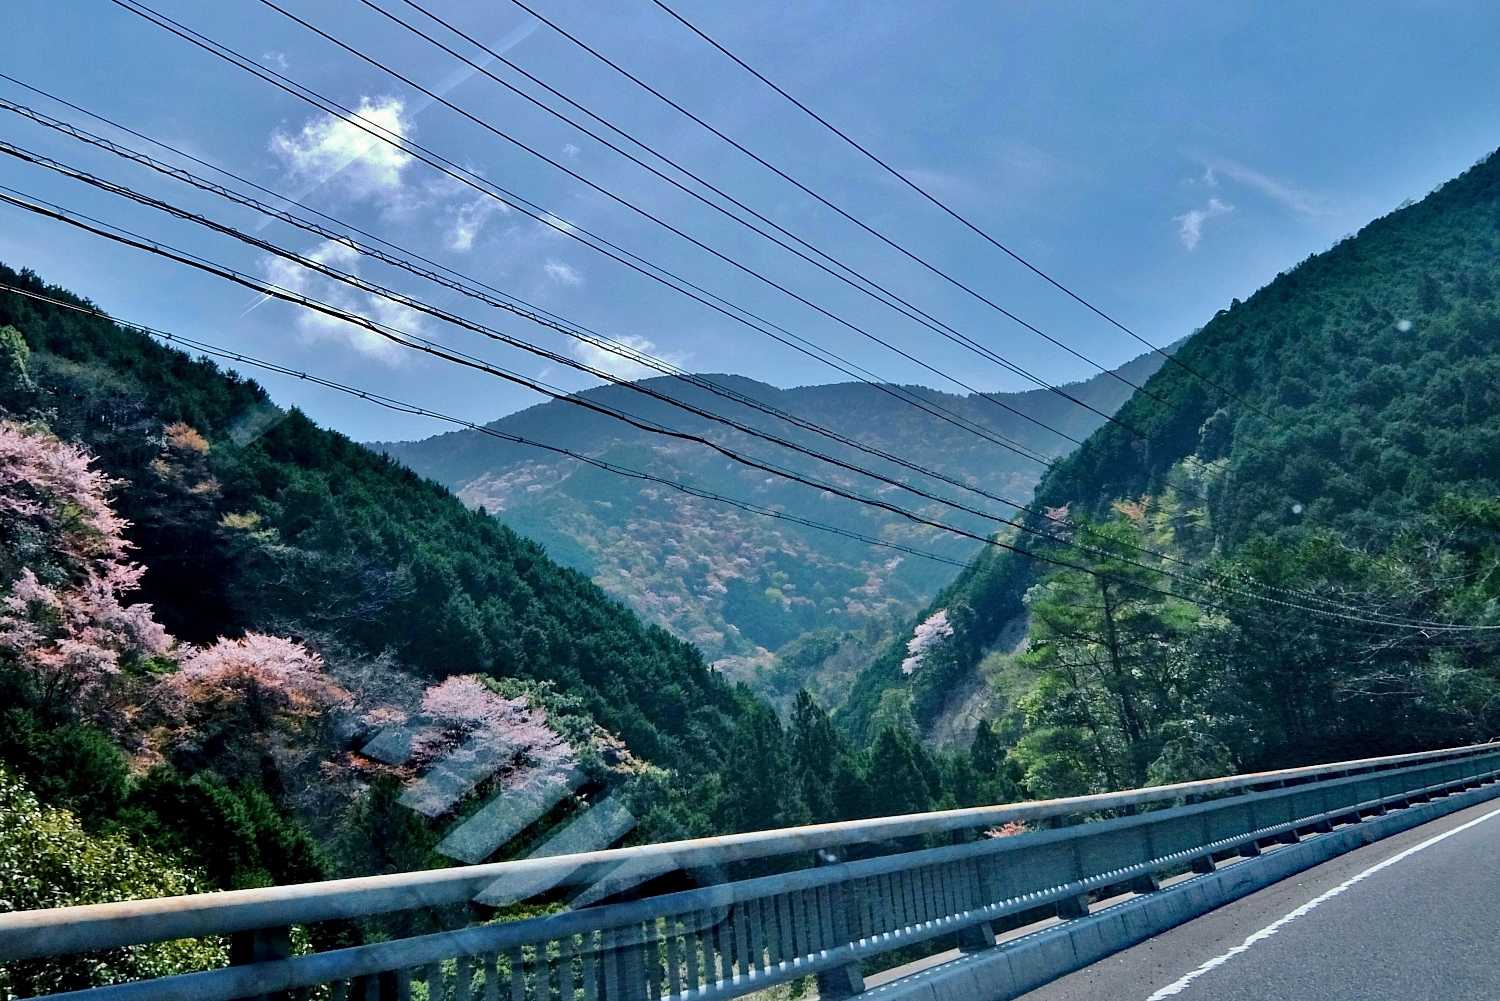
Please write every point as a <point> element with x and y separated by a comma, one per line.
<point>739,585</point>
<point>237,649</point>
<point>1337,438</point>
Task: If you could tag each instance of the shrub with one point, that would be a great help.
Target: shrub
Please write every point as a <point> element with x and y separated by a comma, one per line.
<point>47,859</point>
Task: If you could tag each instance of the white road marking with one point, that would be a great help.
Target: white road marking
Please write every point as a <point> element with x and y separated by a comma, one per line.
<point>1178,986</point>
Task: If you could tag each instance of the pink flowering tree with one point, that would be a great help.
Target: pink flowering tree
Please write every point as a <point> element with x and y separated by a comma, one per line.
<point>464,705</point>
<point>242,705</point>
<point>65,573</point>
<point>928,634</point>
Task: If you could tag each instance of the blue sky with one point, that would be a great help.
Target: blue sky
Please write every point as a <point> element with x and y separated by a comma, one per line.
<point>1159,157</point>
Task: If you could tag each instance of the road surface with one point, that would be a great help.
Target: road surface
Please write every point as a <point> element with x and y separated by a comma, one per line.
<point>1412,917</point>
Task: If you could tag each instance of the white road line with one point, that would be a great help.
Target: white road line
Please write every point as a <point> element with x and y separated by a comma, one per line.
<point>1178,986</point>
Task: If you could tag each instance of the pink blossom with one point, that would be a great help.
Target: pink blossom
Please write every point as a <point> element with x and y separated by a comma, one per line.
<point>49,483</point>
<point>280,676</point>
<point>62,617</point>
<point>928,634</point>
<point>464,705</point>
<point>239,702</point>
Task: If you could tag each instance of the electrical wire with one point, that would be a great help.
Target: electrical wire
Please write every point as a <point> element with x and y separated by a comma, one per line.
<point>29,203</point>
<point>614,196</point>
<point>412,409</point>
<point>343,239</point>
<point>564,226</point>
<point>927,195</point>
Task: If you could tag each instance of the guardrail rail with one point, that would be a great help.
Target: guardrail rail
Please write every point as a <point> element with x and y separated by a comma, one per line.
<point>830,916</point>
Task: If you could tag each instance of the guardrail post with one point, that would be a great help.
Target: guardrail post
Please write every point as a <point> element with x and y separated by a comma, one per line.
<point>1204,864</point>
<point>1077,906</point>
<point>976,938</point>
<point>848,980</point>
<point>261,945</point>
<point>1146,883</point>
<point>627,962</point>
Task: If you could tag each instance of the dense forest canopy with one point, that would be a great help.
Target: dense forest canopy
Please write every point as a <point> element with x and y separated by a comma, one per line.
<point>1349,409</point>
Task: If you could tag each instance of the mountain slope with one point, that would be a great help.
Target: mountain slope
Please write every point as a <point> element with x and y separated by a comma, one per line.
<point>735,583</point>
<point>296,526</point>
<point>1363,387</point>
<point>239,650</point>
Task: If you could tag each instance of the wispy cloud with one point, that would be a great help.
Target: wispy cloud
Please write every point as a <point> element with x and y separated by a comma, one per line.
<point>562,272</point>
<point>468,220</point>
<point>571,151</point>
<point>320,326</point>
<point>1286,195</point>
<point>606,360</point>
<point>328,145</point>
<point>276,59</point>
<point>1190,223</point>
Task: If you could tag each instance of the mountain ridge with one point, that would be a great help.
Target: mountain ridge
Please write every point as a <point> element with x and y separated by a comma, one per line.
<point>744,588</point>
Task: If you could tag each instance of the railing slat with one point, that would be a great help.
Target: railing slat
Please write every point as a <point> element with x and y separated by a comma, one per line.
<point>693,942</point>
<point>590,968</point>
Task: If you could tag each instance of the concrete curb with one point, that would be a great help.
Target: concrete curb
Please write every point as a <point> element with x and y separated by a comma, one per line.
<point>1027,963</point>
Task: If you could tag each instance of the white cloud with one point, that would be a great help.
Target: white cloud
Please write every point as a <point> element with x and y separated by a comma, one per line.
<point>562,272</point>
<point>276,60</point>
<point>1287,196</point>
<point>602,358</point>
<point>469,220</point>
<point>1190,223</point>
<point>570,151</point>
<point>328,145</point>
<point>320,326</point>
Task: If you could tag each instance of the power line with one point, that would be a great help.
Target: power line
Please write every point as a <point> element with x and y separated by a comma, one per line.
<point>608,344</point>
<point>683,234</point>
<point>576,328</point>
<point>73,219</point>
<point>891,299</point>
<point>794,181</point>
<point>372,289</point>
<point>133,4</point>
<point>392,403</point>
<point>377,290</point>
<point>908,182</point>
<point>403,407</point>
<point>569,229</point>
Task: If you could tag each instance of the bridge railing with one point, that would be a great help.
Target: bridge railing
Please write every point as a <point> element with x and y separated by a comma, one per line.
<point>829,919</point>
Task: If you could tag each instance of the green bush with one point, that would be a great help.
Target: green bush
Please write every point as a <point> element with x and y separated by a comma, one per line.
<point>236,836</point>
<point>67,765</point>
<point>47,859</point>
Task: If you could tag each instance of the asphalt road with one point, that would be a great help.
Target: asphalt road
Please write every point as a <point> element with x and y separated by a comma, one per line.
<point>1405,919</point>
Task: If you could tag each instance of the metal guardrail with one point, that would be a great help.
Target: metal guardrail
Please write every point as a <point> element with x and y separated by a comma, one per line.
<point>737,937</point>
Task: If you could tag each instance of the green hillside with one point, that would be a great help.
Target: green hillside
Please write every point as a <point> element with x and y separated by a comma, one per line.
<point>1356,449</point>
<point>307,529</point>
<point>736,584</point>
<point>237,649</point>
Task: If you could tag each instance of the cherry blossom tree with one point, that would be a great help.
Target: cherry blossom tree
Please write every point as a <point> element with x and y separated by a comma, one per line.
<point>239,704</point>
<point>464,705</point>
<point>64,572</point>
<point>928,634</point>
